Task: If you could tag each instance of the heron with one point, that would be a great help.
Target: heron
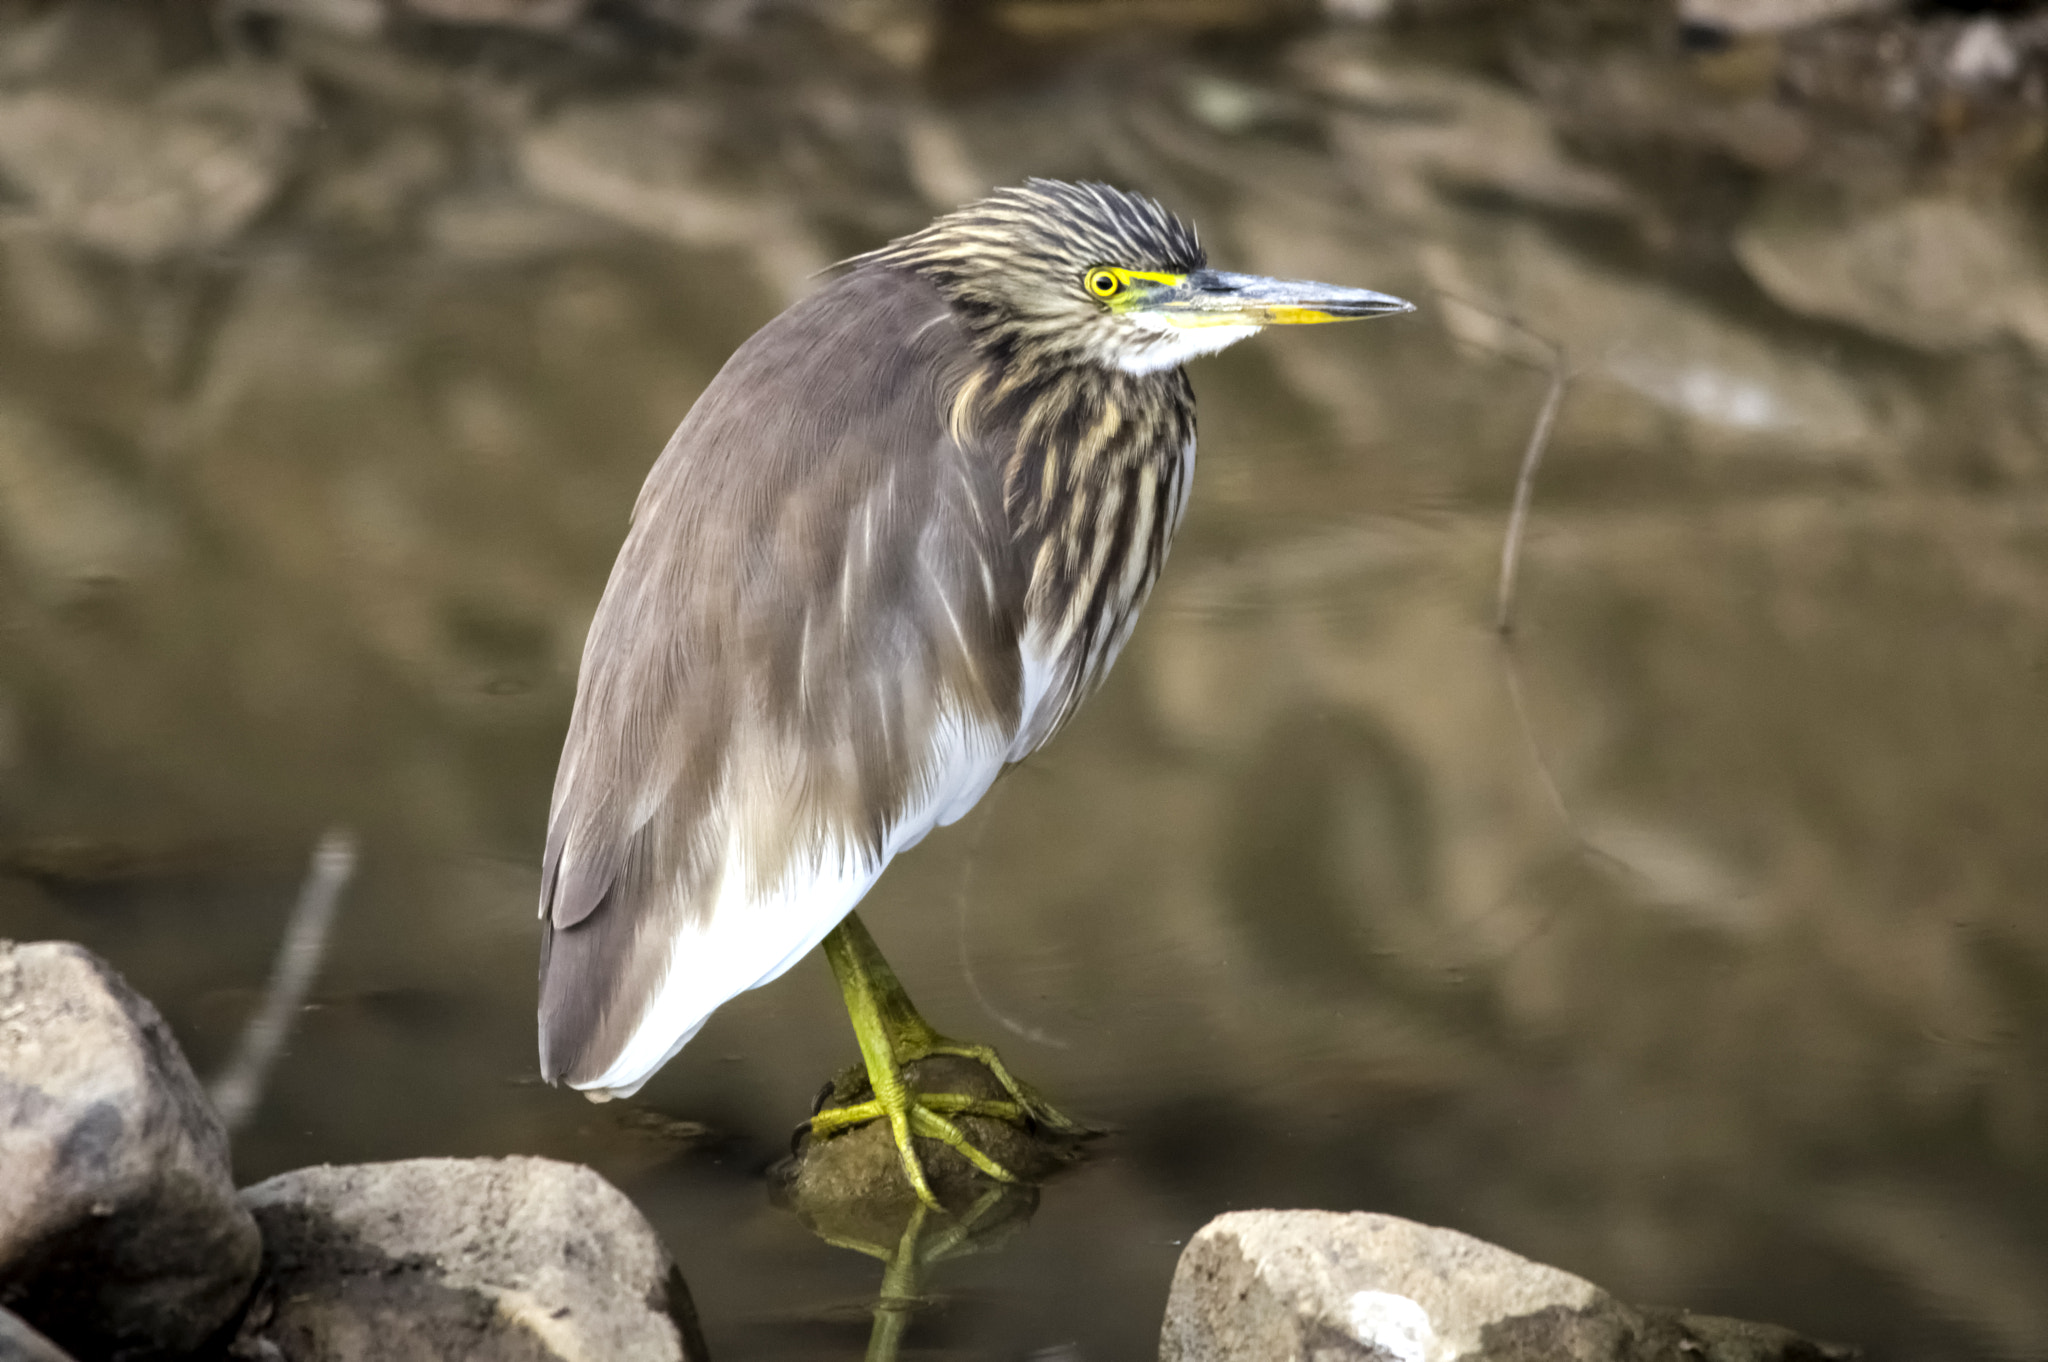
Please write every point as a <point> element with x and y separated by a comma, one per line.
<point>897,541</point>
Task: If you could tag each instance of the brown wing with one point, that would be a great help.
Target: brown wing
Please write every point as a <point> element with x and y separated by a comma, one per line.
<point>806,656</point>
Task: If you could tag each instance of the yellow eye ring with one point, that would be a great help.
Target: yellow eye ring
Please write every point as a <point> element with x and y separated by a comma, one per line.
<point>1103,283</point>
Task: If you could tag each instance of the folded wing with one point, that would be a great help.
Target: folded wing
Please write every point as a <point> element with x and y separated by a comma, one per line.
<point>806,658</point>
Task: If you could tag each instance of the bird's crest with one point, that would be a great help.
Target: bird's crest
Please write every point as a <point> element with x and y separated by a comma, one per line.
<point>1048,225</point>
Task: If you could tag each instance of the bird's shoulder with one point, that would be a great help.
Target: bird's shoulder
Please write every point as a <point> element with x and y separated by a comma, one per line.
<point>817,581</point>
<point>854,380</point>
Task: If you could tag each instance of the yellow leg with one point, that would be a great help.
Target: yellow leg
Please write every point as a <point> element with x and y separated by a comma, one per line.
<point>892,1034</point>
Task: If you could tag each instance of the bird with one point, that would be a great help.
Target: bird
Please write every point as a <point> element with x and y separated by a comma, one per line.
<point>894,545</point>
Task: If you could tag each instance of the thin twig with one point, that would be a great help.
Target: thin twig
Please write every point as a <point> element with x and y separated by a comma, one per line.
<point>1512,672</point>
<point>239,1089</point>
<point>1525,492</point>
<point>1536,755</point>
<point>1511,561</point>
<point>1554,363</point>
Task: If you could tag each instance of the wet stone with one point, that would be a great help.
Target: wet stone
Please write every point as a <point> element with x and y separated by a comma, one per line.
<point>492,1260</point>
<point>120,1235</point>
<point>1376,1288</point>
<point>851,1186</point>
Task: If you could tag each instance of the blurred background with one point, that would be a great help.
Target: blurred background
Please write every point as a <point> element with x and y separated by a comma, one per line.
<point>1695,942</point>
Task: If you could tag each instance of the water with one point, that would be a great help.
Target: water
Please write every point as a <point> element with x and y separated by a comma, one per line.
<point>1693,943</point>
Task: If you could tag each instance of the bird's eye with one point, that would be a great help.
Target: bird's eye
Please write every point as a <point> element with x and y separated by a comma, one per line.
<point>1104,283</point>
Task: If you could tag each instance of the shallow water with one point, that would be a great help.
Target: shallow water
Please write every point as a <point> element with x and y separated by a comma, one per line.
<point>1694,942</point>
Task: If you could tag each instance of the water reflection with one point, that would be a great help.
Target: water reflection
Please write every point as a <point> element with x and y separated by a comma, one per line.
<point>309,481</point>
<point>850,1191</point>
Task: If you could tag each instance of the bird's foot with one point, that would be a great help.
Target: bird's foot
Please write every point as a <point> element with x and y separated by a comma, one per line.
<point>911,1113</point>
<point>974,1084</point>
<point>892,1037</point>
<point>1030,1106</point>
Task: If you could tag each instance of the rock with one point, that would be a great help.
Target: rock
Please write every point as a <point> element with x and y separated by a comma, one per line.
<point>120,1235</point>
<point>640,162</point>
<point>354,18</point>
<point>22,1342</point>
<point>1409,133</point>
<point>551,16</point>
<point>517,1258</point>
<point>1723,105</point>
<point>185,170</point>
<point>1983,54</point>
<point>1934,272</point>
<point>1326,1287</point>
<point>646,162</point>
<point>851,1186</point>
<point>1739,389</point>
<point>1772,16</point>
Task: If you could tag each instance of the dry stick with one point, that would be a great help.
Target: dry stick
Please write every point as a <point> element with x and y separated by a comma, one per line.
<point>1511,555</point>
<point>239,1089</point>
<point>1525,489</point>
<point>1532,453</point>
<point>1513,676</point>
<point>1510,566</point>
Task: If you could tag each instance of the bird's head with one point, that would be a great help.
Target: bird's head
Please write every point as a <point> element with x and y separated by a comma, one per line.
<point>1083,273</point>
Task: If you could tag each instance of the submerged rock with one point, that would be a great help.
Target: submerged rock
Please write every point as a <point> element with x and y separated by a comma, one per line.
<point>483,1259</point>
<point>851,1185</point>
<point>120,1235</point>
<point>1321,1285</point>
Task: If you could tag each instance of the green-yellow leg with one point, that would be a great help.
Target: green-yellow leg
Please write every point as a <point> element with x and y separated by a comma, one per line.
<point>892,1034</point>
<point>898,1300</point>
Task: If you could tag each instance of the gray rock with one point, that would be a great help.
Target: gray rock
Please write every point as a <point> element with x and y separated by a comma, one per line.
<point>648,163</point>
<point>120,1235</point>
<point>21,1341</point>
<point>1647,351</point>
<point>482,1259</point>
<point>1325,1287</point>
<point>551,16</point>
<point>1480,137</point>
<point>1773,16</point>
<point>1983,55</point>
<point>184,170</point>
<point>1935,272</point>
<point>353,18</point>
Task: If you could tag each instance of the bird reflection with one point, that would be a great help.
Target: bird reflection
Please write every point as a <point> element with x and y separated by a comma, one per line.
<point>850,1190</point>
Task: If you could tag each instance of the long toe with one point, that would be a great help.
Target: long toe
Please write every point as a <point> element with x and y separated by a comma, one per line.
<point>1029,1102</point>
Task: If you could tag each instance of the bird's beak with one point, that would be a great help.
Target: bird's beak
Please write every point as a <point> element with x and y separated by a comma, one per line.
<point>1218,298</point>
